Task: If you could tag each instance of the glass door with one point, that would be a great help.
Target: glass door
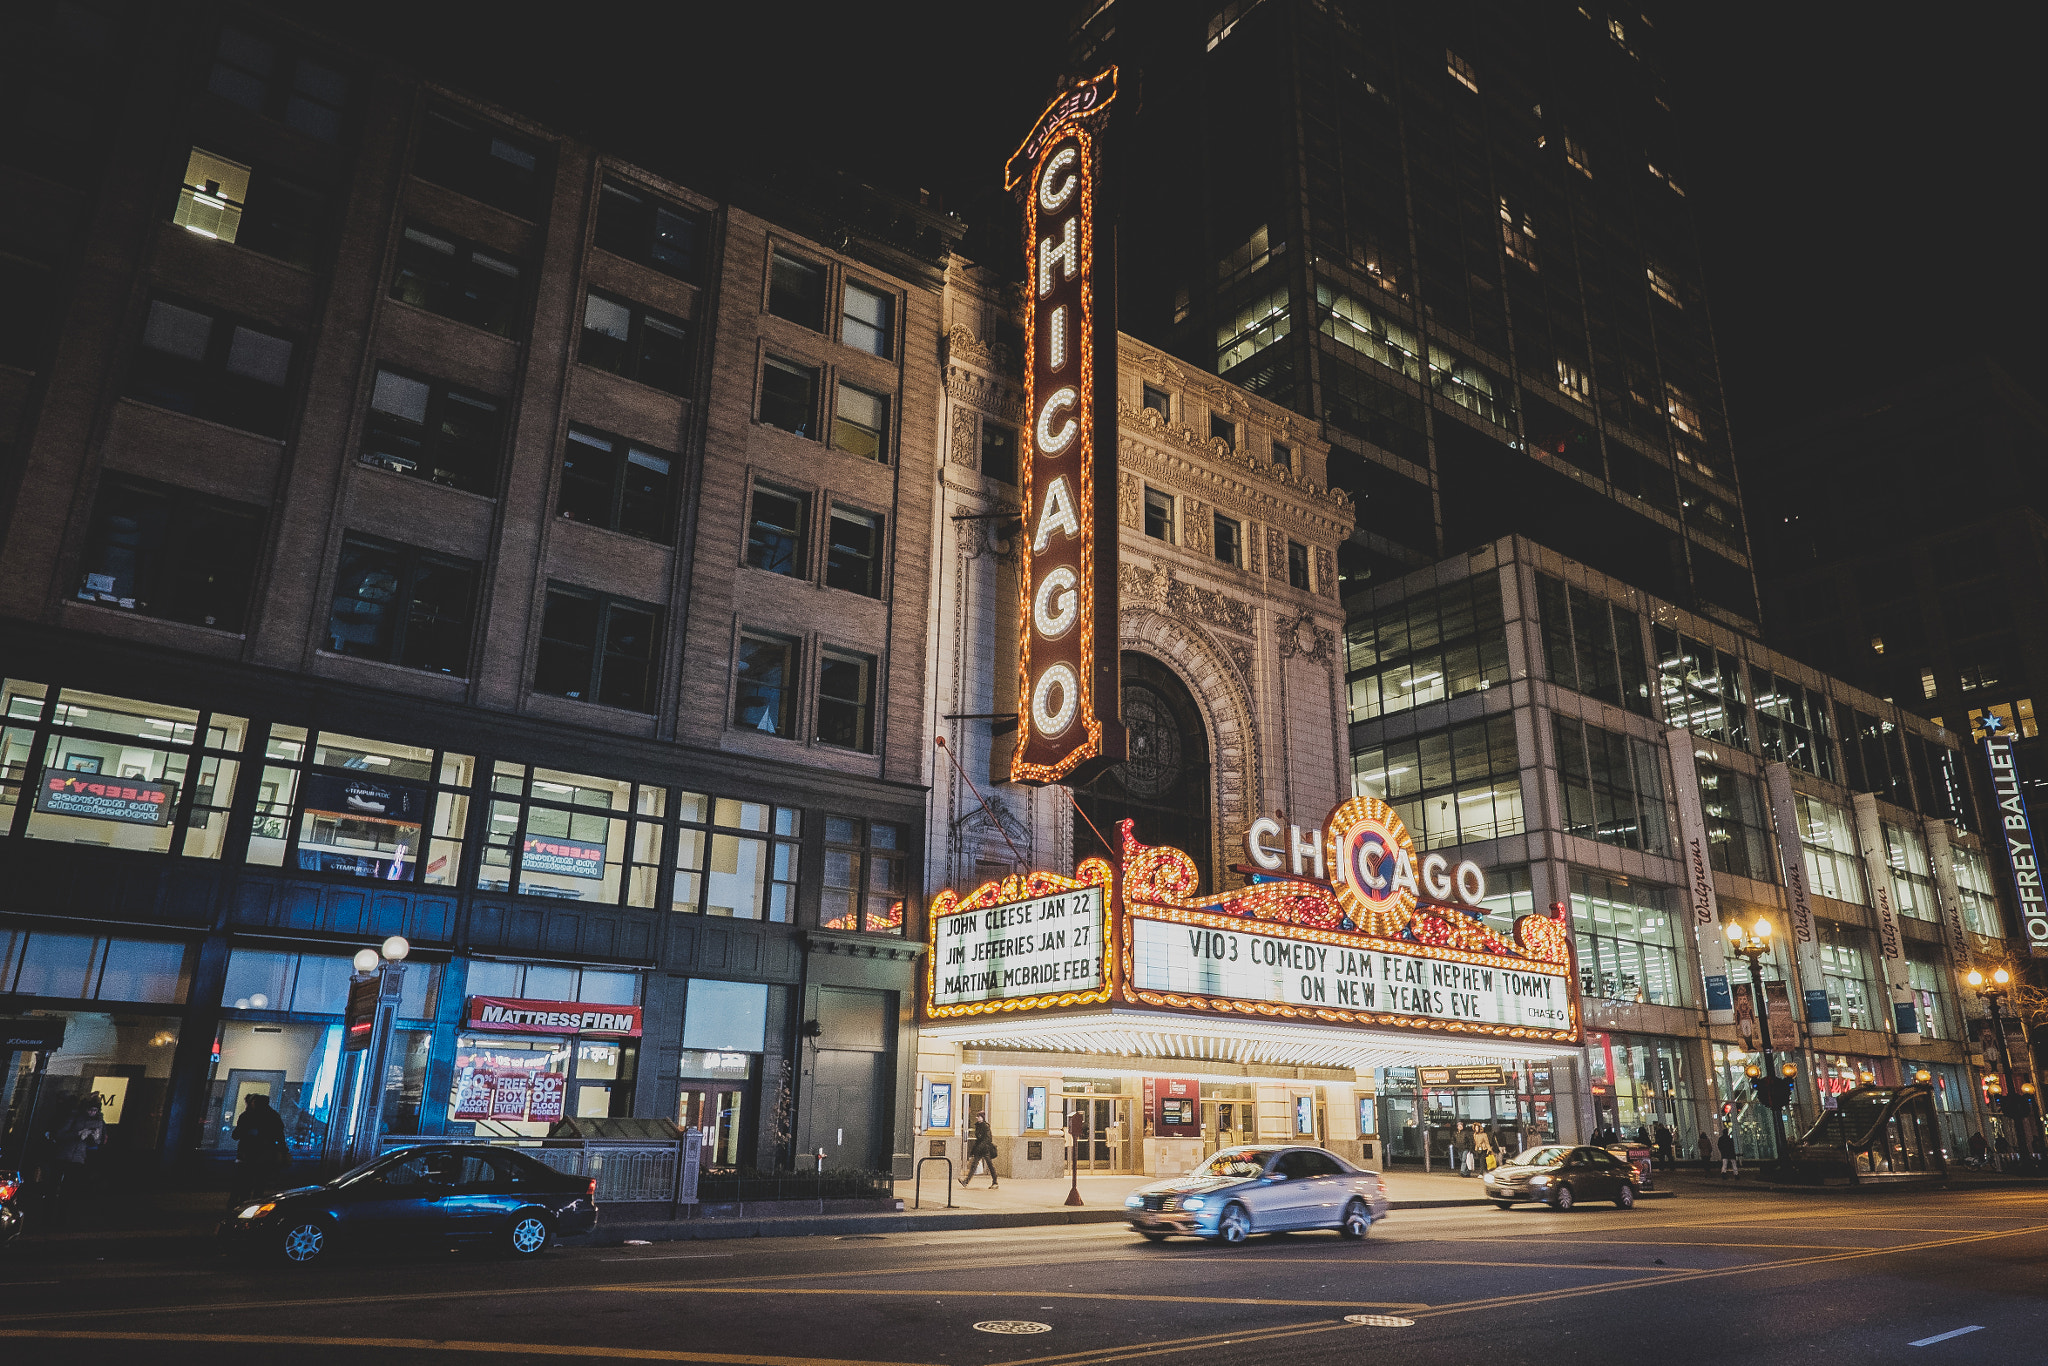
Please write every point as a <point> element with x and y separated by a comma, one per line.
<point>716,1112</point>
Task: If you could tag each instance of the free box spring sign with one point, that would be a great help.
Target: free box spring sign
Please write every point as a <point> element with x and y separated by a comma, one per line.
<point>563,857</point>
<point>1004,948</point>
<point>130,801</point>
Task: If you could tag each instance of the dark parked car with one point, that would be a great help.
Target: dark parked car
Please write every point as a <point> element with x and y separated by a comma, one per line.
<point>442,1194</point>
<point>1560,1176</point>
<point>1242,1191</point>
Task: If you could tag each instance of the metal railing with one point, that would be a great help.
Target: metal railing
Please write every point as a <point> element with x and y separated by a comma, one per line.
<point>625,1170</point>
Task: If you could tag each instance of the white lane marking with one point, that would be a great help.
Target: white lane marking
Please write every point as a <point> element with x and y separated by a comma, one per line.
<point>675,1257</point>
<point>1944,1337</point>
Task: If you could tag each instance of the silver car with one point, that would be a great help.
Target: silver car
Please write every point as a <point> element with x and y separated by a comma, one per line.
<point>1242,1191</point>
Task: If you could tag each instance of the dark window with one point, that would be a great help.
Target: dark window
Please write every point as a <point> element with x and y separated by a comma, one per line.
<point>483,163</point>
<point>796,291</point>
<point>775,533</point>
<point>1229,541</point>
<point>764,697</point>
<point>1594,647</point>
<point>1297,565</point>
<point>860,421</point>
<point>433,431</point>
<point>1223,427</point>
<point>610,482</point>
<point>1738,824</point>
<point>1159,401</point>
<point>171,553</point>
<point>1283,456</point>
<point>998,451</point>
<point>789,395</point>
<point>636,342</point>
<point>213,367</point>
<point>28,299</point>
<point>596,648</point>
<point>867,320</point>
<point>845,707</point>
<point>634,224</point>
<point>1159,515</point>
<point>853,559</point>
<point>402,606</point>
<point>444,274</point>
<point>1613,787</point>
<point>867,875</point>
<point>269,78</point>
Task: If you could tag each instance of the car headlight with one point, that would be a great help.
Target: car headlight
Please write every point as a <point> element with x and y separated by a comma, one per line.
<point>1539,1180</point>
<point>258,1211</point>
<point>1134,1202</point>
<point>1193,1202</point>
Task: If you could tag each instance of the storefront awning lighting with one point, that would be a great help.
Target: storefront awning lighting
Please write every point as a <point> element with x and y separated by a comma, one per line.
<point>1141,1034</point>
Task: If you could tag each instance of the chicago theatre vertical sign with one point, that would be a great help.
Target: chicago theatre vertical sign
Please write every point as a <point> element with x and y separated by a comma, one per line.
<point>1068,684</point>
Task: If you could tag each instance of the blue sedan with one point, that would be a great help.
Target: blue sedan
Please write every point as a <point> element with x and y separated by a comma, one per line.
<point>1242,1191</point>
<point>435,1195</point>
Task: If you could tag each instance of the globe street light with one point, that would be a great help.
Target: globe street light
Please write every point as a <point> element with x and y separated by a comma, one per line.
<point>1773,1084</point>
<point>2011,1106</point>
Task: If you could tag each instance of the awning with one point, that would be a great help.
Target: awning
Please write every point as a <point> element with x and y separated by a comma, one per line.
<point>1144,1034</point>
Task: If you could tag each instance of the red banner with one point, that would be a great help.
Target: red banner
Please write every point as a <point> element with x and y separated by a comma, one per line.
<point>503,1015</point>
<point>509,1095</point>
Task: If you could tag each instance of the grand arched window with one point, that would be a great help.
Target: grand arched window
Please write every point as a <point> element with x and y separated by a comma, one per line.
<point>1164,784</point>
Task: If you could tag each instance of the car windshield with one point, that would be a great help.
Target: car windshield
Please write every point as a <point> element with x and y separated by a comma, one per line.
<point>1541,1157</point>
<point>358,1173</point>
<point>1236,1162</point>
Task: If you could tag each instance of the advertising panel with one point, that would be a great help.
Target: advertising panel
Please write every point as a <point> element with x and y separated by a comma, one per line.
<point>563,857</point>
<point>503,1015</point>
<point>129,801</point>
<point>1704,910</point>
<point>1173,1107</point>
<point>2001,752</point>
<point>1023,949</point>
<point>1798,901</point>
<point>1069,692</point>
<point>550,1090</point>
<point>473,1090</point>
<point>1891,943</point>
<point>354,796</point>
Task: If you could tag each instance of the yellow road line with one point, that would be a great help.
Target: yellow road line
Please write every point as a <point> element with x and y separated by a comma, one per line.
<point>1024,1295</point>
<point>506,1349</point>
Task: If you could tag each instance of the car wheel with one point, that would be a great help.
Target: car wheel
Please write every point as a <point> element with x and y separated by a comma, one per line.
<point>1504,1204</point>
<point>528,1234</point>
<point>1154,1237</point>
<point>1357,1220</point>
<point>1234,1226</point>
<point>1561,1199</point>
<point>1625,1198</point>
<point>305,1241</point>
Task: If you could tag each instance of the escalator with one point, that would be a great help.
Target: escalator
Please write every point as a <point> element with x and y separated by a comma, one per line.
<point>1876,1134</point>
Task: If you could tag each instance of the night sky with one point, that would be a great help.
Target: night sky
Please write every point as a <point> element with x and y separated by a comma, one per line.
<point>1860,187</point>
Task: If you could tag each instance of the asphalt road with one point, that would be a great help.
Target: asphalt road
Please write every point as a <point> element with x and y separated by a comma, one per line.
<point>1712,1275</point>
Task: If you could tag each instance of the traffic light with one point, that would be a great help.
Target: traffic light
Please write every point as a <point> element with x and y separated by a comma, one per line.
<point>1775,1092</point>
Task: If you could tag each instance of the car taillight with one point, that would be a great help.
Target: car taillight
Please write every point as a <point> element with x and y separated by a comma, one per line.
<point>8,1188</point>
<point>590,1189</point>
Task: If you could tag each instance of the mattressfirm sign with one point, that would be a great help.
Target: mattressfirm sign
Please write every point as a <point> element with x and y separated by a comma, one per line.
<point>131,801</point>
<point>2001,751</point>
<point>1282,968</point>
<point>1022,949</point>
<point>501,1015</point>
<point>1068,692</point>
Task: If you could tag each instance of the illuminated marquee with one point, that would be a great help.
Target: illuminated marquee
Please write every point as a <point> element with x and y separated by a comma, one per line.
<point>1067,661</point>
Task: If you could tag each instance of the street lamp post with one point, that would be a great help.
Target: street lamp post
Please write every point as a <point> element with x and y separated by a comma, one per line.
<point>1772,1087</point>
<point>1994,997</point>
<point>387,964</point>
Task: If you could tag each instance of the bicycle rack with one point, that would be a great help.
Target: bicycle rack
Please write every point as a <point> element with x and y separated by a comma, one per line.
<point>917,1183</point>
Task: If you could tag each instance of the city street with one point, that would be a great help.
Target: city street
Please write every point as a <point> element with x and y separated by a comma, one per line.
<point>1712,1274</point>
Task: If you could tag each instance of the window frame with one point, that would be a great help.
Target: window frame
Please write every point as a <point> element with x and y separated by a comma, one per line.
<point>611,231</point>
<point>1234,541</point>
<point>635,364</point>
<point>800,555</point>
<point>180,519</point>
<point>1162,509</point>
<point>860,850</point>
<point>889,330</point>
<point>413,563</point>
<point>208,377</point>
<point>877,557</point>
<point>864,707</point>
<point>280,86</point>
<point>620,496</point>
<point>1011,472</point>
<point>606,605</point>
<point>1158,400</point>
<point>887,401</point>
<point>1300,573</point>
<point>464,259</point>
<point>434,431</point>
<point>528,202</point>
<point>787,689</point>
<point>778,255</point>
<point>641,870</point>
<point>781,831</point>
<point>784,365</point>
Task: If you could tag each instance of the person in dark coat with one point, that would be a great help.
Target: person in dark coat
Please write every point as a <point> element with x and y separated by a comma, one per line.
<point>1978,1148</point>
<point>72,1145</point>
<point>1706,1152</point>
<point>1666,1145</point>
<point>260,1152</point>
<point>1729,1166</point>
<point>982,1152</point>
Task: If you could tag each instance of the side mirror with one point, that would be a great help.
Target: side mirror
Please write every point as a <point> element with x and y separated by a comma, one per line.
<point>1277,1176</point>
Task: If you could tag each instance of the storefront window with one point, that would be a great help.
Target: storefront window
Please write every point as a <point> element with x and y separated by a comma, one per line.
<point>1845,969</point>
<point>1747,1120</point>
<point>867,876</point>
<point>573,836</point>
<point>730,862</point>
<point>1912,879</point>
<point>1627,939</point>
<point>331,803</point>
<point>118,772</point>
<point>1519,1113</point>
<point>122,1058</point>
<point>510,1086</point>
<point>1836,1074</point>
<point>1828,839</point>
<point>82,967</point>
<point>1640,1081</point>
<point>315,984</point>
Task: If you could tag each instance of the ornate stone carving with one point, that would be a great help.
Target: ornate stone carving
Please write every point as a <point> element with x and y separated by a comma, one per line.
<point>1136,583</point>
<point>1218,609</point>
<point>1195,526</point>
<point>1129,496</point>
<point>965,428</point>
<point>1326,573</point>
<point>962,342</point>
<point>1276,553</point>
<point>1214,451</point>
<point>1300,635</point>
<point>989,395</point>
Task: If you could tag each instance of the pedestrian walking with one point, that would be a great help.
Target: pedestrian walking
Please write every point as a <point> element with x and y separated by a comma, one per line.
<point>1705,1148</point>
<point>1666,1145</point>
<point>260,1151</point>
<point>1465,1149</point>
<point>981,1153</point>
<point>1729,1166</point>
<point>72,1144</point>
<point>1482,1149</point>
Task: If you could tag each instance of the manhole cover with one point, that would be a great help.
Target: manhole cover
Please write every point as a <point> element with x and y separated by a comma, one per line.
<point>1379,1321</point>
<point>1011,1326</point>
